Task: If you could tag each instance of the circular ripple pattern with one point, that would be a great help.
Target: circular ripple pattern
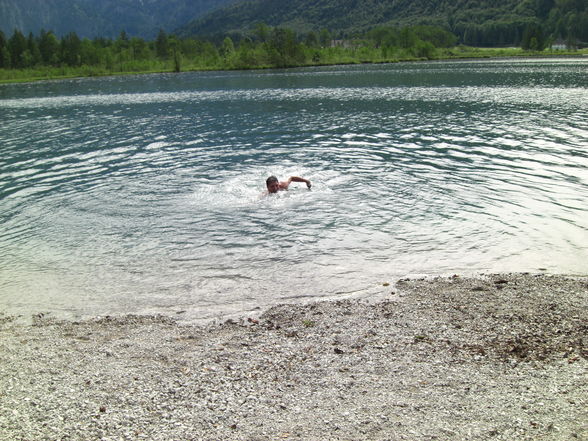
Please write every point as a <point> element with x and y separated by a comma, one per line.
<point>143,194</point>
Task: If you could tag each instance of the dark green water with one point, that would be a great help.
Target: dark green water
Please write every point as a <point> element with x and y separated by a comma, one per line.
<point>142,194</point>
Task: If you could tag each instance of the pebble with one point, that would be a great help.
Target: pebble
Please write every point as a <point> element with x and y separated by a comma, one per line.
<point>276,377</point>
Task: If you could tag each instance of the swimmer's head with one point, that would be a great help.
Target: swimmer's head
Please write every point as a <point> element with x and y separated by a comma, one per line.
<point>272,184</point>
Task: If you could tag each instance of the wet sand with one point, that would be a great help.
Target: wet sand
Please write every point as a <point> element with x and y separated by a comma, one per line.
<point>494,357</point>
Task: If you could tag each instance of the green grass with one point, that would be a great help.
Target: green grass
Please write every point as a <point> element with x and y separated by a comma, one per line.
<point>476,52</point>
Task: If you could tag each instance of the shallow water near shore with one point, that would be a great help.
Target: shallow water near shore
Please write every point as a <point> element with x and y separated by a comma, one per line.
<point>143,194</point>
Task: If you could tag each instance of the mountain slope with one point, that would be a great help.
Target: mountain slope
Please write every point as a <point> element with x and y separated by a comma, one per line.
<point>350,16</point>
<point>102,18</point>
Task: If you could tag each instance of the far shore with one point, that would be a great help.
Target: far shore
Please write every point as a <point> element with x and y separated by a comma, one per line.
<point>495,356</point>
<point>53,73</point>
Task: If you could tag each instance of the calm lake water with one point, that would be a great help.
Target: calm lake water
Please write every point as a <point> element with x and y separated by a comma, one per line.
<point>142,194</point>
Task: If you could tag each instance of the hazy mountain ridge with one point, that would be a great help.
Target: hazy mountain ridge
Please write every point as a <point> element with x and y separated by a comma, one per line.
<point>104,18</point>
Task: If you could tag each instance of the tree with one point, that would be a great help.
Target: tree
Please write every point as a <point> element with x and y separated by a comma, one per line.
<point>5,58</point>
<point>33,48</point>
<point>122,42</point>
<point>576,25</point>
<point>311,40</point>
<point>162,45</point>
<point>4,52</point>
<point>262,32</point>
<point>435,35</point>
<point>247,56</point>
<point>382,36</point>
<point>209,53</point>
<point>190,47</point>
<point>175,49</point>
<point>284,49</point>
<point>325,38</point>
<point>423,49</point>
<point>583,25</point>
<point>49,48</point>
<point>407,38</point>
<point>542,8</point>
<point>227,48</point>
<point>533,38</point>
<point>140,49</point>
<point>17,45</point>
<point>71,46</point>
<point>89,53</point>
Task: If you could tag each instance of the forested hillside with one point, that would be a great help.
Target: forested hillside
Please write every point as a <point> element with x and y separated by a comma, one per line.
<point>101,18</point>
<point>324,34</point>
<point>474,22</point>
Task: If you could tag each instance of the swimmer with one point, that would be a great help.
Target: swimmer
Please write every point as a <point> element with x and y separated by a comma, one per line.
<point>273,185</point>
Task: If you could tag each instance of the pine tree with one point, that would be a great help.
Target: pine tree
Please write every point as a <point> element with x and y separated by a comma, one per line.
<point>162,45</point>
<point>4,52</point>
<point>71,46</point>
<point>17,45</point>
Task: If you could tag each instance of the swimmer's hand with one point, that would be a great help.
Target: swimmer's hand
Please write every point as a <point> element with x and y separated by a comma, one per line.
<point>308,184</point>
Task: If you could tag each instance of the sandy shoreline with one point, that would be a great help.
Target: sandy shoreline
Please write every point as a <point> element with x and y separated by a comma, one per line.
<point>495,357</point>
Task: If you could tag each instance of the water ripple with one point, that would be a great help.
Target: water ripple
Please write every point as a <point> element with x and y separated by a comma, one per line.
<point>113,200</point>
<point>503,96</point>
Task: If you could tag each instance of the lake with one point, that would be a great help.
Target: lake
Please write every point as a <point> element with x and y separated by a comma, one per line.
<point>143,194</point>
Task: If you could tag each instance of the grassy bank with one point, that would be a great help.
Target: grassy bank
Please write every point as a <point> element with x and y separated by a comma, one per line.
<point>245,61</point>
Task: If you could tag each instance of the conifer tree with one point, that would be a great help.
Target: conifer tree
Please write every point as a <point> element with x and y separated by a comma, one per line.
<point>4,52</point>
<point>71,49</point>
<point>17,45</point>
<point>162,45</point>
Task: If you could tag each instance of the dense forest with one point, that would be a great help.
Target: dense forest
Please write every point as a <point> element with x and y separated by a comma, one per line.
<point>265,47</point>
<point>46,55</point>
<point>560,23</point>
<point>487,23</point>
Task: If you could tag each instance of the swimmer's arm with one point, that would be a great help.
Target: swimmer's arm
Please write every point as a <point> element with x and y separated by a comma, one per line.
<point>297,179</point>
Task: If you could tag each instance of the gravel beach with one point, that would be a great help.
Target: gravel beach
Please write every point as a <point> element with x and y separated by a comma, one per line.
<point>492,357</point>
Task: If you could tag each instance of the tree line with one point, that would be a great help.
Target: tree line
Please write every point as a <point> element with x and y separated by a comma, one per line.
<point>123,53</point>
<point>264,46</point>
<point>533,24</point>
